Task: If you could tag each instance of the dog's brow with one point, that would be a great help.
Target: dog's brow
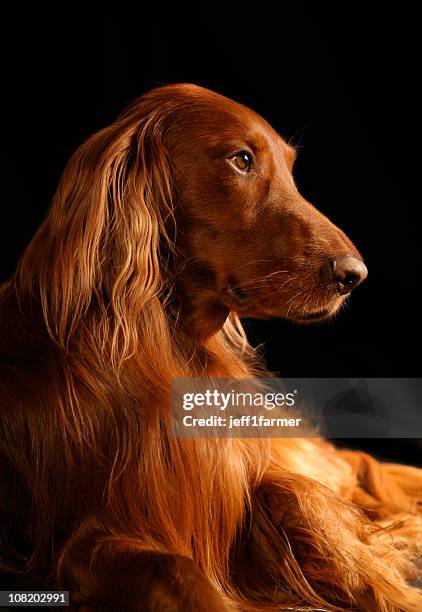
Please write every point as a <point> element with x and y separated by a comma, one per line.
<point>289,151</point>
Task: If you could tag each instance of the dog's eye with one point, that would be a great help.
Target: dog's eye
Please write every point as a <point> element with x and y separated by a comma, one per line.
<point>242,161</point>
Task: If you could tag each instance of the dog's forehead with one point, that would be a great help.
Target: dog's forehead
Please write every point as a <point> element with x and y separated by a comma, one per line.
<point>216,120</point>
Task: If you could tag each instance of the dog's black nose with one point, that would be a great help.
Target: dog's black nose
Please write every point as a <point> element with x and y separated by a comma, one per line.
<point>348,271</point>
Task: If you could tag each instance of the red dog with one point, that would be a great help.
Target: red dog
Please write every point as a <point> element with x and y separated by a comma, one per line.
<point>166,226</point>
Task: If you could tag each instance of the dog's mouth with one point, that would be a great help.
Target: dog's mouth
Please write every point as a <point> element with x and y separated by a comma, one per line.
<point>242,300</point>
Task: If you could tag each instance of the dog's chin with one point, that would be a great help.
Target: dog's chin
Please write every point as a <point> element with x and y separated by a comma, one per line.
<point>314,316</point>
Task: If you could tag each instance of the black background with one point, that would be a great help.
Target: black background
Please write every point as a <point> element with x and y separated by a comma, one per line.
<point>341,83</point>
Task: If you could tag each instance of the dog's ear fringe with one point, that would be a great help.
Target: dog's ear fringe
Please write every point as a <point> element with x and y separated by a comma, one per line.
<point>97,254</point>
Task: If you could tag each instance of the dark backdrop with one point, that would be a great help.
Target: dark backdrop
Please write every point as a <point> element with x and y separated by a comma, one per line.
<point>340,83</point>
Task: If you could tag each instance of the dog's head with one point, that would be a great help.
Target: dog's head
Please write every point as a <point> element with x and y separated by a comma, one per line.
<point>187,200</point>
<point>250,242</point>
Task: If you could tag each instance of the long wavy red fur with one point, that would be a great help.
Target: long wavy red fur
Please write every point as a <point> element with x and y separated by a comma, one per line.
<point>93,482</point>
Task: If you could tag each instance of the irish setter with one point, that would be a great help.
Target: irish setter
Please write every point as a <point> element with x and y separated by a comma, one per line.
<point>168,226</point>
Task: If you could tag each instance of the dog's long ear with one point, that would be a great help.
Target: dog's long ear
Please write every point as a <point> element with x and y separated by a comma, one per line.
<point>96,258</point>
